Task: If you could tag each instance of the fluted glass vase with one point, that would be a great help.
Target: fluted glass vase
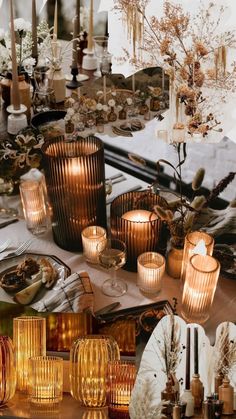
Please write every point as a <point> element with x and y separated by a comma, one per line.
<point>7,370</point>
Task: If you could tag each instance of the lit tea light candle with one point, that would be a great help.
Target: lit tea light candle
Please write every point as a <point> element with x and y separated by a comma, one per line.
<point>196,242</point>
<point>34,206</point>
<point>91,237</point>
<point>199,288</point>
<point>151,267</point>
<point>139,216</point>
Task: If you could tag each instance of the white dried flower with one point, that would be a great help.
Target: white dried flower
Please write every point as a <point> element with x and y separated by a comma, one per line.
<point>111,103</point>
<point>67,118</point>
<point>113,93</point>
<point>29,62</point>
<point>129,101</point>
<point>70,112</point>
<point>105,108</point>
<point>22,25</point>
<point>119,108</point>
<point>99,93</point>
<point>99,107</point>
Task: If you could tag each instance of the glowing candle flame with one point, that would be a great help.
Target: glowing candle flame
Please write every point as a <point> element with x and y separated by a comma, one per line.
<point>200,248</point>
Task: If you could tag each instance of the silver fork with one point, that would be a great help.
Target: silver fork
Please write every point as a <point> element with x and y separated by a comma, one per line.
<point>21,249</point>
<point>5,245</point>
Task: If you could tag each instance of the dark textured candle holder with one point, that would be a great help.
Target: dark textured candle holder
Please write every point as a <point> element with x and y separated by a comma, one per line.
<point>74,83</point>
<point>75,178</point>
<point>139,237</point>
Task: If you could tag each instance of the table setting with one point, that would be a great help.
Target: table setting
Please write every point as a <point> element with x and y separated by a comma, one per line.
<point>117,296</point>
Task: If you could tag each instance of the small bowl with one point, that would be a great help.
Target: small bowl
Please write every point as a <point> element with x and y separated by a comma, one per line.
<point>48,116</point>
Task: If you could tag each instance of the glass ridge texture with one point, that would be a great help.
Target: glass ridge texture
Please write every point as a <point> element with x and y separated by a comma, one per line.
<point>190,242</point>
<point>151,268</point>
<point>199,288</point>
<point>7,370</point>
<point>75,178</point>
<point>45,379</point>
<point>29,338</point>
<point>34,206</point>
<point>89,357</point>
<point>138,240</point>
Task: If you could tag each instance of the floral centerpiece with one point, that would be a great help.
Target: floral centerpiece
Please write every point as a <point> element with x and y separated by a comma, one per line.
<point>191,51</point>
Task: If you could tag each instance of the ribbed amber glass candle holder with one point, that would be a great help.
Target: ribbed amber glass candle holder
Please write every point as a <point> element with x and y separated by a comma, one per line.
<point>120,382</point>
<point>64,328</point>
<point>7,370</point>
<point>29,338</point>
<point>151,268</point>
<point>199,288</point>
<point>89,358</point>
<point>133,221</point>
<point>191,241</point>
<point>75,178</point>
<point>45,379</point>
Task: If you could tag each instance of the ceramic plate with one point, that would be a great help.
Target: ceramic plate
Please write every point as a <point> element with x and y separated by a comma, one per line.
<point>11,263</point>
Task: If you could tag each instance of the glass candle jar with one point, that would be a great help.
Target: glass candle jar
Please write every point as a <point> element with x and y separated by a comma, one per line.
<point>45,379</point>
<point>199,288</point>
<point>91,236</point>
<point>7,370</point>
<point>29,338</point>
<point>192,241</point>
<point>89,357</point>
<point>151,268</point>
<point>121,377</point>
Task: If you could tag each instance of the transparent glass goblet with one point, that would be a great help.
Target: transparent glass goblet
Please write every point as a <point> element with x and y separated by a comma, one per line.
<point>112,256</point>
<point>6,188</point>
<point>100,49</point>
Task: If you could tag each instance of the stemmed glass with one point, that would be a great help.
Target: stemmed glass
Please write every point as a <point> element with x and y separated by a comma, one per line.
<point>100,49</point>
<point>6,188</point>
<point>112,256</point>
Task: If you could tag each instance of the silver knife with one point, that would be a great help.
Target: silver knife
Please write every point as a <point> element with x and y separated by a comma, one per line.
<point>107,309</point>
<point>7,223</point>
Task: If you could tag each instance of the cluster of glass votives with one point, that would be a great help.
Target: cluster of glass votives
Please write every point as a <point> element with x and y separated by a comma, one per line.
<point>97,375</point>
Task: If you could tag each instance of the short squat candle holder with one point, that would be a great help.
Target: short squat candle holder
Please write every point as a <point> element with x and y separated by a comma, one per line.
<point>91,237</point>
<point>151,268</point>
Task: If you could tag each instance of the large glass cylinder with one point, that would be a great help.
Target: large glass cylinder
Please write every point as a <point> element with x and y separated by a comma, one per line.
<point>191,243</point>
<point>133,221</point>
<point>89,358</point>
<point>75,177</point>
<point>199,288</point>
<point>29,337</point>
<point>7,370</point>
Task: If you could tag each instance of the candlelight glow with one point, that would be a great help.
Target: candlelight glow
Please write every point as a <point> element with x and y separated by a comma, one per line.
<point>200,248</point>
<point>139,216</point>
<point>121,378</point>
<point>151,267</point>
<point>91,237</point>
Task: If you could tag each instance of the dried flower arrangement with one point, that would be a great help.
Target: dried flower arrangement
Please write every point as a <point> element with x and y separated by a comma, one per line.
<point>143,405</point>
<point>225,353</point>
<point>192,53</point>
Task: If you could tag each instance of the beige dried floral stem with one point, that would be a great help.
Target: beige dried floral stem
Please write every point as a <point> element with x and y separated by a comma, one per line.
<point>194,54</point>
<point>225,352</point>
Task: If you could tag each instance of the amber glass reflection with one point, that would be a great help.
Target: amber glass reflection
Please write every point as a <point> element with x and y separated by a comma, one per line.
<point>64,328</point>
<point>124,332</point>
<point>29,338</point>
<point>89,357</point>
<point>199,288</point>
<point>7,370</point>
<point>120,382</point>
<point>75,178</point>
<point>139,237</point>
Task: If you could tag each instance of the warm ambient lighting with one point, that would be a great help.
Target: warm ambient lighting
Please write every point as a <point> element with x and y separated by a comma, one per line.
<point>34,206</point>
<point>7,370</point>
<point>151,267</point>
<point>199,288</point>
<point>194,243</point>
<point>91,237</point>
<point>139,216</point>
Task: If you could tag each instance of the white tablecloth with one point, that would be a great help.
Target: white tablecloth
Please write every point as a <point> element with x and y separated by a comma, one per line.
<point>224,305</point>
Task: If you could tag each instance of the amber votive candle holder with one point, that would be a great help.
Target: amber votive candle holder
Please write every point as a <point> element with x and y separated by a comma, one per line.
<point>91,237</point>
<point>191,244</point>
<point>199,288</point>
<point>7,370</point>
<point>120,378</point>
<point>45,379</point>
<point>151,268</point>
<point>29,338</point>
<point>34,206</point>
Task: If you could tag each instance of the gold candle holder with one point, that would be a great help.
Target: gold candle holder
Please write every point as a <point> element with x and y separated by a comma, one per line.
<point>133,222</point>
<point>29,338</point>
<point>199,288</point>
<point>192,241</point>
<point>45,379</point>
<point>7,370</point>
<point>91,237</point>
<point>63,329</point>
<point>121,378</point>
<point>89,357</point>
<point>151,268</point>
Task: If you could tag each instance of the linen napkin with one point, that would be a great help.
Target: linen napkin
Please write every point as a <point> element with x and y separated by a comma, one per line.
<point>74,295</point>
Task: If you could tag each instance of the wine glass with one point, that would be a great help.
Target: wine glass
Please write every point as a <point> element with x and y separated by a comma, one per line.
<point>112,256</point>
<point>100,49</point>
<point>6,188</point>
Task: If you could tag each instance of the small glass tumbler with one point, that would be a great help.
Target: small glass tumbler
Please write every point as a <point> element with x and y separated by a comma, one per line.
<point>121,377</point>
<point>45,379</point>
<point>91,236</point>
<point>34,206</point>
<point>151,268</point>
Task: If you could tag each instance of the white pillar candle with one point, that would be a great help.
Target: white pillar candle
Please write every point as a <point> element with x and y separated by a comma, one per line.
<point>91,237</point>
<point>151,267</point>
